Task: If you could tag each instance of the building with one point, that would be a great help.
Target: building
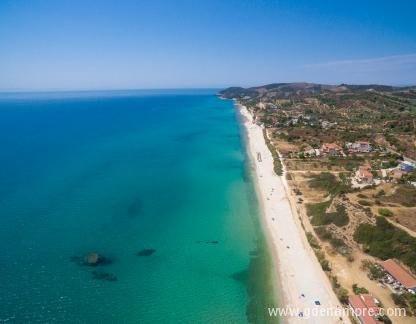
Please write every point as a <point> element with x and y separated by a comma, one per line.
<point>397,174</point>
<point>326,124</point>
<point>359,147</point>
<point>364,308</point>
<point>407,167</point>
<point>400,274</point>
<point>330,149</point>
<point>364,174</point>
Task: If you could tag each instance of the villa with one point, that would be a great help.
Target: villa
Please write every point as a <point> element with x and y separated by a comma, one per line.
<point>399,274</point>
<point>364,174</point>
<point>364,308</point>
<point>359,147</point>
<point>330,149</point>
<point>407,167</point>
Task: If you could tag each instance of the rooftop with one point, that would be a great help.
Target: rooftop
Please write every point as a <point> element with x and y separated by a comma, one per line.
<point>363,310</point>
<point>399,273</point>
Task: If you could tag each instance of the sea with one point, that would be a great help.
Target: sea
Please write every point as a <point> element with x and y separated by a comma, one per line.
<point>155,184</point>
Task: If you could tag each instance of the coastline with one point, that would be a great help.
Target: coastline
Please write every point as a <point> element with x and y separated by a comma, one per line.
<point>295,288</point>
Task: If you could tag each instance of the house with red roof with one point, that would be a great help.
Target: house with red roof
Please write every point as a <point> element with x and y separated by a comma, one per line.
<point>330,149</point>
<point>364,308</point>
<point>400,274</point>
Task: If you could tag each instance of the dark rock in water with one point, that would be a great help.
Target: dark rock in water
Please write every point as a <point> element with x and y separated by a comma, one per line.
<point>105,276</point>
<point>254,253</point>
<point>94,259</point>
<point>208,242</point>
<point>241,276</point>
<point>146,252</point>
<point>135,208</point>
<point>91,259</point>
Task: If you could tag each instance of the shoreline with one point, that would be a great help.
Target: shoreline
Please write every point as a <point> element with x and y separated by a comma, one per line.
<point>300,280</point>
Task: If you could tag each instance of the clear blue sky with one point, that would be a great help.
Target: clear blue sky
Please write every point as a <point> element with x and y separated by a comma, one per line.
<point>166,44</point>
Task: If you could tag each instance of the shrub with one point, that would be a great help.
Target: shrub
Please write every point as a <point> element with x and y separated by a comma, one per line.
<point>387,241</point>
<point>340,217</point>
<point>342,295</point>
<point>322,260</point>
<point>312,240</point>
<point>359,290</point>
<point>277,164</point>
<point>317,212</point>
<point>399,300</point>
<point>385,212</point>
<point>328,182</point>
<point>364,202</point>
<point>375,271</point>
<point>321,217</point>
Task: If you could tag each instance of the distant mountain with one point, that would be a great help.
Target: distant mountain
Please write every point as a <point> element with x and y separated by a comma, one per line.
<point>304,90</point>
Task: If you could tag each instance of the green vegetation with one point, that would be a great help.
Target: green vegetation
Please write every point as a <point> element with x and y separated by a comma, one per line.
<point>277,164</point>
<point>317,212</point>
<point>340,292</point>
<point>297,109</point>
<point>385,212</point>
<point>399,300</point>
<point>322,260</point>
<point>359,290</point>
<point>375,271</point>
<point>313,242</point>
<point>365,202</point>
<point>404,195</point>
<point>340,216</point>
<point>335,242</point>
<point>328,182</point>
<point>406,300</point>
<point>321,217</point>
<point>386,241</point>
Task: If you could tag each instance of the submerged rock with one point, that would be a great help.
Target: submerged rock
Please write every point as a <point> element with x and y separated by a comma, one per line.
<point>240,276</point>
<point>91,259</point>
<point>146,252</point>
<point>135,208</point>
<point>105,276</point>
<point>208,242</point>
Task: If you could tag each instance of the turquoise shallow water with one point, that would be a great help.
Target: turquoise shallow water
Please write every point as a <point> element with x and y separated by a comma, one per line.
<point>115,173</point>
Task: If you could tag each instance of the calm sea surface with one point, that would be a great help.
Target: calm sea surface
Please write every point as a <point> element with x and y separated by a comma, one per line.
<point>115,173</point>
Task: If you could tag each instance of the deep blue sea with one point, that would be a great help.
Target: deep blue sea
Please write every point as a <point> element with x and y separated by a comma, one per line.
<point>115,173</point>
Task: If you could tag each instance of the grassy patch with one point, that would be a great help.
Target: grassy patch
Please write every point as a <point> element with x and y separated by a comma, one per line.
<point>319,216</point>
<point>365,202</point>
<point>335,242</point>
<point>317,212</point>
<point>359,290</point>
<point>324,181</point>
<point>386,241</point>
<point>405,195</point>
<point>385,212</point>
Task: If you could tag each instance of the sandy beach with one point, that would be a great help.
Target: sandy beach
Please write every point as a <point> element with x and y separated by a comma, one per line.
<point>303,286</point>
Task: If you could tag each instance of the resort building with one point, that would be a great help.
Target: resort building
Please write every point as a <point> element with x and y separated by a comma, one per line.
<point>359,147</point>
<point>326,124</point>
<point>330,149</point>
<point>399,274</point>
<point>397,174</point>
<point>364,308</point>
<point>407,166</point>
<point>364,174</point>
